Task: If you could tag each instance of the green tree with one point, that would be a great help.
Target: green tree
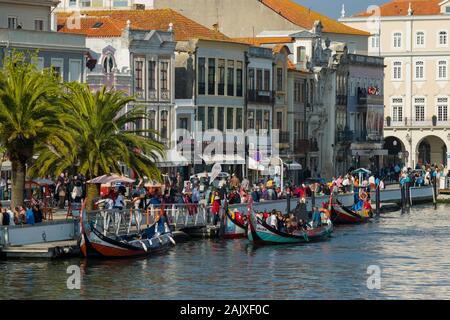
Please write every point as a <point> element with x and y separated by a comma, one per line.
<point>103,136</point>
<point>29,116</point>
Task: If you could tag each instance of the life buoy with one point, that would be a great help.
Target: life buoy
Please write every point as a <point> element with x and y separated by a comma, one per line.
<point>363,196</point>
<point>326,216</point>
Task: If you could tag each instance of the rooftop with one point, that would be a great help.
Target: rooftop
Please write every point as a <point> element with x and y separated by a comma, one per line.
<point>106,23</point>
<point>401,7</point>
<point>305,18</point>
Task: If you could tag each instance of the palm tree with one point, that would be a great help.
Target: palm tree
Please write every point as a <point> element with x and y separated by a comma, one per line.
<point>102,135</point>
<point>29,115</point>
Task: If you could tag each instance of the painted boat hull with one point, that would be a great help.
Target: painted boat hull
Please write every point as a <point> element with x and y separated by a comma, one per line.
<point>94,244</point>
<point>343,215</point>
<point>233,229</point>
<point>262,234</point>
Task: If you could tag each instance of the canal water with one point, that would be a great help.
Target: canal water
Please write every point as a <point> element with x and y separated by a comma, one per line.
<point>411,250</point>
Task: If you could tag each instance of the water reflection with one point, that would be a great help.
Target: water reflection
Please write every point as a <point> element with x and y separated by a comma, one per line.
<point>411,250</point>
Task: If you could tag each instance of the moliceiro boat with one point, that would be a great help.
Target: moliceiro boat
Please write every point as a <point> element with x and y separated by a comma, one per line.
<point>260,233</point>
<point>235,224</point>
<point>118,234</point>
<point>360,212</point>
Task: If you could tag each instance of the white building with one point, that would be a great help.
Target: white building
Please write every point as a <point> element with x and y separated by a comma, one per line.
<point>413,36</point>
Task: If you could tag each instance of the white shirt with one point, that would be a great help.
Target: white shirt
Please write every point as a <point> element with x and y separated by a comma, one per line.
<point>273,221</point>
<point>11,217</point>
<point>2,182</point>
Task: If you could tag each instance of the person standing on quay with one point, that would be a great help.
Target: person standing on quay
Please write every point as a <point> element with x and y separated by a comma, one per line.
<point>2,188</point>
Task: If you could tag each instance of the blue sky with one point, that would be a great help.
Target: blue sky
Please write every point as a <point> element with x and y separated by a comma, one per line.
<point>332,8</point>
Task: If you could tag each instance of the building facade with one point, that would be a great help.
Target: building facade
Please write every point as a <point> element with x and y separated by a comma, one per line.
<point>414,39</point>
<point>27,27</point>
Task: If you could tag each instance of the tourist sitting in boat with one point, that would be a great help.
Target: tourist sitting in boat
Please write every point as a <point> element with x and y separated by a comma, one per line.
<point>29,216</point>
<point>316,218</point>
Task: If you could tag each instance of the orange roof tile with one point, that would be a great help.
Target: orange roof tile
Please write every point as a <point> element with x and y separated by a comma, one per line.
<point>400,8</point>
<point>265,40</point>
<point>305,18</point>
<point>113,22</point>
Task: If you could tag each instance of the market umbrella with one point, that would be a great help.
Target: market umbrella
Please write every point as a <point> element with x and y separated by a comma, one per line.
<point>110,179</point>
<point>43,182</point>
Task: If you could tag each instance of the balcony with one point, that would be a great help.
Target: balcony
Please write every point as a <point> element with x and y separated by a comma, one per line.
<point>414,123</point>
<point>261,96</point>
<point>364,98</point>
<point>345,136</point>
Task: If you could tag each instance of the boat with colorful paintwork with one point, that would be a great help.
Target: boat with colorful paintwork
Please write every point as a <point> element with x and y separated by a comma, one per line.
<point>235,226</point>
<point>260,233</point>
<point>97,241</point>
<point>343,215</point>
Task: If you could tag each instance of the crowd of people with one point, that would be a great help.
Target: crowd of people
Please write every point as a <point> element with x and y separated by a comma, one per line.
<point>202,190</point>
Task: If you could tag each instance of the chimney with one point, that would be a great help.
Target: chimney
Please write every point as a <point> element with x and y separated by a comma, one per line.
<point>216,27</point>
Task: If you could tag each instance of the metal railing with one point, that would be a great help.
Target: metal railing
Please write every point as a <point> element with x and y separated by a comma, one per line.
<point>422,122</point>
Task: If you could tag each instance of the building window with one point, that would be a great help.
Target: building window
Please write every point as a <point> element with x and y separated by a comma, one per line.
<point>239,79</point>
<point>151,76</point>
<point>39,25</point>
<point>211,76</point>
<point>442,109</point>
<point>221,85</point>
<point>251,119</point>
<point>75,70</point>
<point>108,64</point>
<point>164,74</point>
<point>259,79</point>
<point>397,40</point>
<point>266,119</point>
<point>230,78</point>
<point>220,118</point>
<point>280,120</point>
<point>211,117</point>
<point>251,79</point>
<point>85,3</point>
<point>267,80</point>
<point>420,75</point>
<point>12,22</point>
<point>120,3</point>
<point>375,41</point>
<point>279,79</point>
<point>201,117</point>
<point>58,68</point>
<point>419,108</point>
<point>397,70</point>
<point>420,39</point>
<point>151,118</point>
<point>201,76</point>
<point>138,78</point>
<point>442,69</point>
<point>447,9</point>
<point>397,109</point>
<point>72,3</point>
<point>443,38</point>
<point>301,54</point>
<point>230,120</point>
<point>238,119</point>
<point>164,124</point>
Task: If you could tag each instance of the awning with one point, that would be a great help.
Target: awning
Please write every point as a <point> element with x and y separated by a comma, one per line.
<point>111,179</point>
<point>173,159</point>
<point>294,165</point>
<point>229,159</point>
